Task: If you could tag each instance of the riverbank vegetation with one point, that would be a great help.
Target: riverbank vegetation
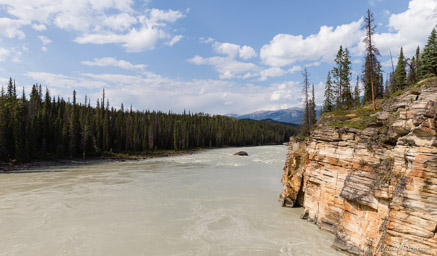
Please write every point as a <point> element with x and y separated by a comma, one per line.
<point>45,127</point>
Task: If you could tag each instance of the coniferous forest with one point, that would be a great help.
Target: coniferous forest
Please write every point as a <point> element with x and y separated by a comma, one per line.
<point>45,127</point>
<point>408,71</point>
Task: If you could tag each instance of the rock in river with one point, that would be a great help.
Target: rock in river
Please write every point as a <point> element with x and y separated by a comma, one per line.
<point>241,153</point>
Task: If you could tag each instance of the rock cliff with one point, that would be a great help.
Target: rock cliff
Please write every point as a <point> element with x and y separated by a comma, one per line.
<point>371,179</point>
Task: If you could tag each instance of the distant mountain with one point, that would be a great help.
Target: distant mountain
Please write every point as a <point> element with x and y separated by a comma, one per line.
<point>290,115</point>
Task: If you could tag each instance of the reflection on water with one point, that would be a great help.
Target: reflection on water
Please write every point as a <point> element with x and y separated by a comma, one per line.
<point>211,203</point>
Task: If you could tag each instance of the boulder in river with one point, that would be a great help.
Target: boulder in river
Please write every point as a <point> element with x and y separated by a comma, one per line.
<point>241,153</point>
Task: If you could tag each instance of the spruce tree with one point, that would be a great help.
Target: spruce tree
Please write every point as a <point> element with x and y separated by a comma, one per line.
<point>356,98</point>
<point>341,74</point>
<point>329,102</point>
<point>400,73</point>
<point>412,71</point>
<point>306,122</point>
<point>313,113</point>
<point>428,61</point>
<point>387,88</point>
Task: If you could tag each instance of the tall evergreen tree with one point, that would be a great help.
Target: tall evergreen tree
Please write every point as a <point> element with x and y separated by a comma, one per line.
<point>341,74</point>
<point>329,103</point>
<point>356,98</point>
<point>313,114</point>
<point>428,61</point>
<point>418,63</point>
<point>371,51</point>
<point>400,72</point>
<point>387,89</point>
<point>412,71</point>
<point>306,122</point>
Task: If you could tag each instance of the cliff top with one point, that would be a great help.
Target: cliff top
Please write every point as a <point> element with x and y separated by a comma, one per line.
<point>362,117</point>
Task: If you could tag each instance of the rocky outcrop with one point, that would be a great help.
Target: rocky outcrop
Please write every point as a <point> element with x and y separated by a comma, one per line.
<point>376,188</point>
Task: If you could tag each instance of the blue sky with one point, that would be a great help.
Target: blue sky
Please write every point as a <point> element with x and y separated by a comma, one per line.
<point>200,55</point>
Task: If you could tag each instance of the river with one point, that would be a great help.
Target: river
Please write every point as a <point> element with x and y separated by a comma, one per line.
<point>210,203</point>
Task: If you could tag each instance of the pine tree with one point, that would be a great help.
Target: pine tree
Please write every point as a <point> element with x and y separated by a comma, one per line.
<point>400,73</point>
<point>418,63</point>
<point>387,88</point>
<point>341,74</point>
<point>367,75</point>
<point>428,61</point>
<point>329,102</point>
<point>74,128</point>
<point>356,98</point>
<point>306,122</point>
<point>412,71</point>
<point>372,51</point>
<point>313,113</point>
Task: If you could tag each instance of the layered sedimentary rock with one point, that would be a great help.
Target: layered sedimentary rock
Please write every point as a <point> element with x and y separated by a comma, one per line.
<point>374,188</point>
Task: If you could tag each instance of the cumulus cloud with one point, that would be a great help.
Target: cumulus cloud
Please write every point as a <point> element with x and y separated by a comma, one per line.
<point>111,62</point>
<point>247,52</point>
<point>11,28</point>
<point>232,50</point>
<point>276,72</point>
<point>287,49</point>
<point>409,29</point>
<point>285,91</point>
<point>227,67</point>
<point>94,21</point>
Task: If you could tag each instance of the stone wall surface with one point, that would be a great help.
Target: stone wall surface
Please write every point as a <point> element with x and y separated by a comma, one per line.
<point>376,188</point>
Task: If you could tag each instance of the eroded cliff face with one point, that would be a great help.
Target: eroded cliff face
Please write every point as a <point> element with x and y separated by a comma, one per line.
<point>375,189</point>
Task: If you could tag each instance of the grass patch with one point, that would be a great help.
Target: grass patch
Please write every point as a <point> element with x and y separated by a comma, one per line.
<point>358,118</point>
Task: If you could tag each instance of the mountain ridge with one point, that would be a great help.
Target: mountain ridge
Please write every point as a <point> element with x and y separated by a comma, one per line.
<point>293,115</point>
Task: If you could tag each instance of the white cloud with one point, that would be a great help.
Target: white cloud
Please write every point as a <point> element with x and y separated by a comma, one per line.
<point>276,72</point>
<point>4,54</point>
<point>111,62</point>
<point>410,28</point>
<point>94,21</point>
<point>287,49</point>
<point>145,91</point>
<point>232,50</point>
<point>247,52</point>
<point>134,41</point>
<point>11,28</point>
<point>227,67</point>
<point>174,40</point>
<point>39,27</point>
<point>286,92</point>
<point>119,22</point>
<point>229,49</point>
<point>45,41</point>
<point>207,40</point>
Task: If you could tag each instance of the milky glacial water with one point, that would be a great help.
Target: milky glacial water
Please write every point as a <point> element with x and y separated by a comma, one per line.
<point>210,203</point>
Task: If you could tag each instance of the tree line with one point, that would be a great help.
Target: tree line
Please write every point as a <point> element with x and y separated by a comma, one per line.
<point>338,93</point>
<point>45,127</point>
<point>408,71</point>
